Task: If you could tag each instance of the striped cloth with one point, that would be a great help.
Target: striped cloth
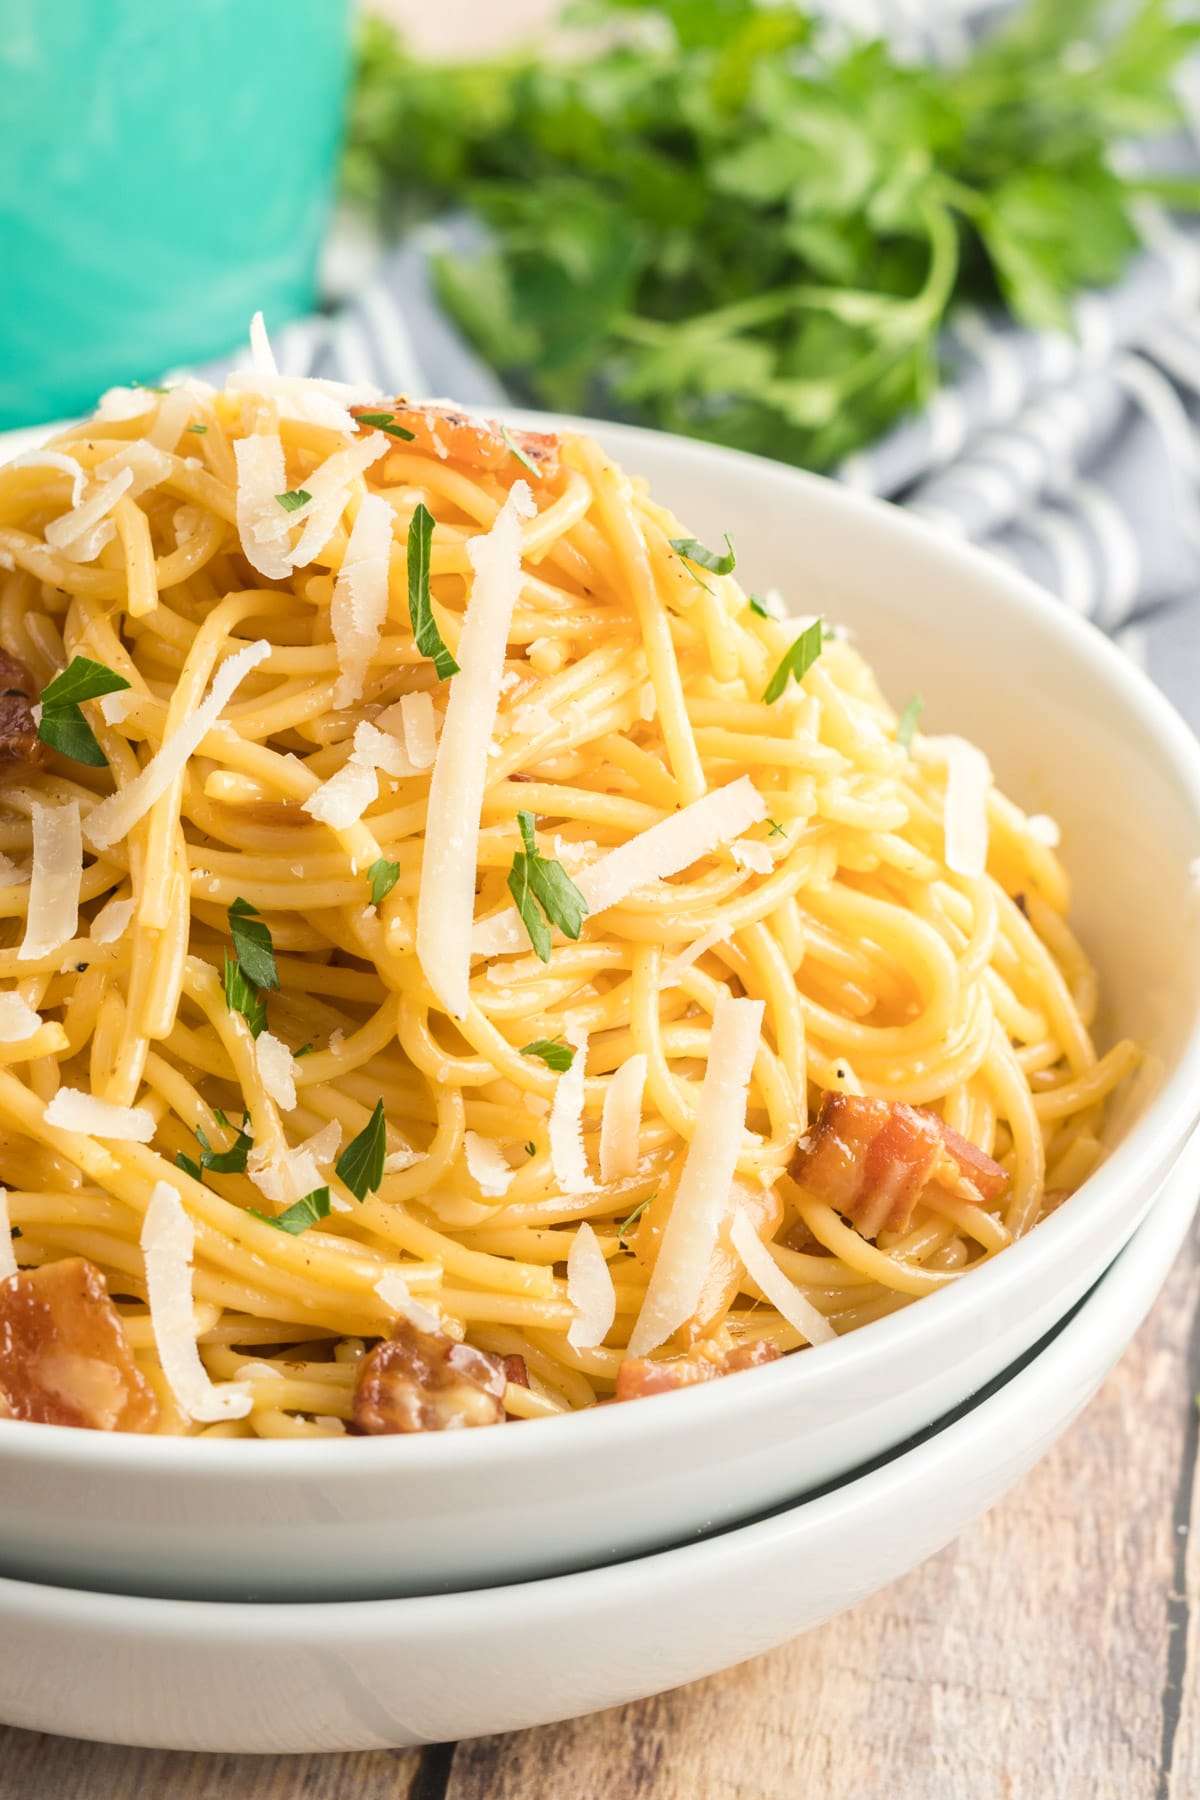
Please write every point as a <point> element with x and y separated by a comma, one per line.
<point>1075,457</point>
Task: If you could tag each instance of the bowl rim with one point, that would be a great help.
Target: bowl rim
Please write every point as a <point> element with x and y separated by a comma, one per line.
<point>1070,1353</point>
<point>1166,1121</point>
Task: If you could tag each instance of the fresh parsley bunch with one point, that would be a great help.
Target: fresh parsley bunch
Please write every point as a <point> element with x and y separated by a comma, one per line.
<point>731,223</point>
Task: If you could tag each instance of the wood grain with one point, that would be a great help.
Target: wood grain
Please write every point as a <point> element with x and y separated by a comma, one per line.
<point>1050,1654</point>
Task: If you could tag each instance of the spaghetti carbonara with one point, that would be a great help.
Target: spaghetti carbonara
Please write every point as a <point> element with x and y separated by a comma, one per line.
<point>462,957</point>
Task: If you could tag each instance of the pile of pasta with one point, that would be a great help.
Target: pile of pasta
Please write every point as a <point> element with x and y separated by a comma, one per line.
<point>462,956</point>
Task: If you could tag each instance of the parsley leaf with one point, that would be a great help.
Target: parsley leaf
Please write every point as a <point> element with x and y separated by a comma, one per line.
<point>536,881</point>
<point>252,944</point>
<point>304,1050</point>
<point>749,227</point>
<point>797,662</point>
<point>907,726</point>
<point>386,421</point>
<point>241,996</point>
<point>694,552</point>
<point>188,1166</point>
<point>554,1053</point>
<point>776,828</point>
<point>420,606</point>
<point>293,499</point>
<point>198,429</point>
<point>360,1165</point>
<point>525,461</point>
<point>63,725</point>
<point>297,1218</point>
<point>531,1148</point>
<point>758,605</point>
<point>221,1162</point>
<point>383,876</point>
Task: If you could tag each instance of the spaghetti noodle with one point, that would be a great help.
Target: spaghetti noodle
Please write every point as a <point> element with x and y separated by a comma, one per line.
<point>448,946</point>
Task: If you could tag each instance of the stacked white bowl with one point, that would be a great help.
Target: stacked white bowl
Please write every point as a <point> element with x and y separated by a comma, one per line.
<point>408,1589</point>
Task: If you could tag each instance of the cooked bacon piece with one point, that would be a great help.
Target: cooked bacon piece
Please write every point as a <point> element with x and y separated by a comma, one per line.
<point>475,443</point>
<point>19,744</point>
<point>64,1355</point>
<point>638,1375</point>
<point>516,1374</point>
<point>423,1381</point>
<point>986,1177</point>
<point>871,1160</point>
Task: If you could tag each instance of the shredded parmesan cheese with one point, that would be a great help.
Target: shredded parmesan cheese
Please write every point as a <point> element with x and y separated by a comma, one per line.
<point>73,1110</point>
<point>968,777</point>
<point>1044,830</point>
<point>8,1260</point>
<point>120,403</point>
<point>344,798</point>
<point>56,875</point>
<point>328,488</point>
<point>61,533</point>
<point>168,1244</point>
<point>748,853</point>
<point>775,1286</point>
<point>262,357</point>
<point>18,1020</point>
<point>664,849</point>
<point>397,1161</point>
<point>716,934</point>
<point>621,1120</point>
<point>446,901</point>
<point>419,722</point>
<point>114,707</point>
<point>112,921</point>
<point>690,1235</point>
<point>486,1165</point>
<point>115,817</point>
<point>393,1291</point>
<point>261,521</point>
<point>567,1156</point>
<point>590,1291</point>
<point>276,1069</point>
<point>360,597</point>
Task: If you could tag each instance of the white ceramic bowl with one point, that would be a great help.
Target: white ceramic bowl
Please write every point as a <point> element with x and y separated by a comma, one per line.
<point>201,1675</point>
<point>1072,729</point>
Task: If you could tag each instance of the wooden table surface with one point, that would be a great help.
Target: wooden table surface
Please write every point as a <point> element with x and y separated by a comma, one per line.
<point>1052,1653</point>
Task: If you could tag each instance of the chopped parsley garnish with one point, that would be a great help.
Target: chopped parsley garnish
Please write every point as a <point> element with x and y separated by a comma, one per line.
<point>198,429</point>
<point>525,461</point>
<point>425,631</point>
<point>634,1216</point>
<point>360,1165</point>
<point>383,876</point>
<point>554,1053</point>
<point>798,661</point>
<point>221,1162</point>
<point>304,1050</point>
<point>538,882</point>
<point>241,996</point>
<point>63,725</point>
<point>252,944</point>
<point>149,387</point>
<point>906,729</point>
<point>531,1148</point>
<point>776,828</point>
<point>694,552</point>
<point>297,1218</point>
<point>385,421</point>
<point>294,498</point>
<point>758,605</point>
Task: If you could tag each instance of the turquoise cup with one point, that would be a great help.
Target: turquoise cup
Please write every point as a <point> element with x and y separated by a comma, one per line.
<point>166,168</point>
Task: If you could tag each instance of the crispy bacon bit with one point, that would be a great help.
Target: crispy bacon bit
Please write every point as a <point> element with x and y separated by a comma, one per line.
<point>516,1374</point>
<point>64,1355</point>
<point>424,1381</point>
<point>19,745</point>
<point>476,443</point>
<point>639,1375</point>
<point>871,1160</point>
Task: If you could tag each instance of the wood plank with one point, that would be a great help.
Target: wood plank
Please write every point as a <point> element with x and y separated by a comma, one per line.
<point>34,1767</point>
<point>1027,1660</point>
